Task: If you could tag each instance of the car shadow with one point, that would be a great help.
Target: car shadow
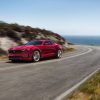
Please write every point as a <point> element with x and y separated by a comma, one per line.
<point>23,62</point>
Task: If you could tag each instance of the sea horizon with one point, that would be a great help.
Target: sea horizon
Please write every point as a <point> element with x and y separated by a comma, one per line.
<point>83,40</point>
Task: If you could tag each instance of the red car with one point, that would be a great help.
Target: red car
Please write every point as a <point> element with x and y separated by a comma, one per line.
<point>35,50</point>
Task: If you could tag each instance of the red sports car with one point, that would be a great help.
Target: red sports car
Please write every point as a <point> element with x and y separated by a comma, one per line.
<point>35,50</point>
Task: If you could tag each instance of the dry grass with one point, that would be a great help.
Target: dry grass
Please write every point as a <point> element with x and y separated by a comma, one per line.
<point>69,49</point>
<point>90,90</point>
<point>3,58</point>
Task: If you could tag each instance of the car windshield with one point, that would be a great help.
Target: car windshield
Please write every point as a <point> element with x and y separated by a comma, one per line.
<point>34,43</point>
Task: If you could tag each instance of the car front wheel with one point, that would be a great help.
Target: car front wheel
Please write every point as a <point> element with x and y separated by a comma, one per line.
<point>59,54</point>
<point>36,56</point>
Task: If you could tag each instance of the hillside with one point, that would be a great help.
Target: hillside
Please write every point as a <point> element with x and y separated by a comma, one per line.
<point>15,34</point>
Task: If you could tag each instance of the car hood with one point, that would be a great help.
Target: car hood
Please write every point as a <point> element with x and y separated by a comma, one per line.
<point>23,47</point>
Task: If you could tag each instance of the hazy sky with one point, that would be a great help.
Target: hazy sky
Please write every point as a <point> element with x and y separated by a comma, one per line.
<point>67,17</point>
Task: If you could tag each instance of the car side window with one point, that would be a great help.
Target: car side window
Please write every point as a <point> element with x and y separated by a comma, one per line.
<point>47,43</point>
<point>50,43</point>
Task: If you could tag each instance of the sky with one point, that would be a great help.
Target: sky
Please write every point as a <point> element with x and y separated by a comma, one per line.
<point>65,17</point>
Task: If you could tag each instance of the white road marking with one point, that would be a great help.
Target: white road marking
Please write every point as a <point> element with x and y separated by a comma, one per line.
<point>64,95</point>
<point>56,60</point>
<point>89,50</point>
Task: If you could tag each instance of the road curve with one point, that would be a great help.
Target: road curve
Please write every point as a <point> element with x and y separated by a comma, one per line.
<point>47,79</point>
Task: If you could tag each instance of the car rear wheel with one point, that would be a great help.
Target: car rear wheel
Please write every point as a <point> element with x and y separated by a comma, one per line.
<point>59,54</point>
<point>36,56</point>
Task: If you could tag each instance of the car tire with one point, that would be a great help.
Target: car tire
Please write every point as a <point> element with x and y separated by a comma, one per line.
<point>59,54</point>
<point>36,56</point>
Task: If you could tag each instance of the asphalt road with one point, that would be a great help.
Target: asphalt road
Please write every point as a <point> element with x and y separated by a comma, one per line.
<point>47,79</point>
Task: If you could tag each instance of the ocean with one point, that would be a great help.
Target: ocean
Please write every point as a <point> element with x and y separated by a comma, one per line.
<point>84,40</point>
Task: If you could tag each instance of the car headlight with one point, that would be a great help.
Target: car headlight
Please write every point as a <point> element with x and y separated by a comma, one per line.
<point>23,50</point>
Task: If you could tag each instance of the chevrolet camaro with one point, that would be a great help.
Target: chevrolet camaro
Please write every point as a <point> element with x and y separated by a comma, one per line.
<point>35,50</point>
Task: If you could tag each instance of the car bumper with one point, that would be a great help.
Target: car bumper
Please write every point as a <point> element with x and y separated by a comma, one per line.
<point>23,57</point>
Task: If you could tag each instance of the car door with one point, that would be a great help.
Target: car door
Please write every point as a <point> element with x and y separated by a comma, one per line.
<point>49,49</point>
<point>52,47</point>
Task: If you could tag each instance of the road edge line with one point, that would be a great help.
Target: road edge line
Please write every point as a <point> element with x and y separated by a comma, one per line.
<point>66,93</point>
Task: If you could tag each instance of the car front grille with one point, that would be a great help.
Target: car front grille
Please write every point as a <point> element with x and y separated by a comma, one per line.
<point>14,57</point>
<point>15,51</point>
